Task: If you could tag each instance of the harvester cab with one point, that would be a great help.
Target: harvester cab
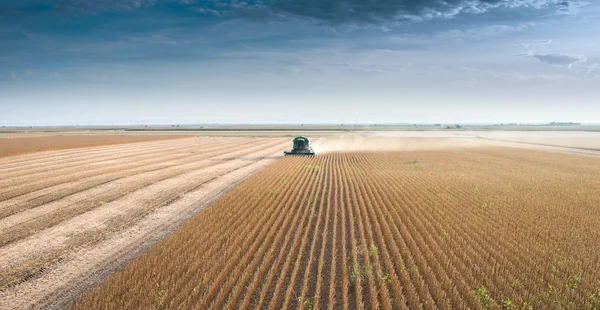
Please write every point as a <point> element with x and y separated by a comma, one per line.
<point>301,147</point>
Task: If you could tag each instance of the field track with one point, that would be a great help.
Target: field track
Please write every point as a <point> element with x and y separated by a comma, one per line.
<point>67,216</point>
<point>497,228</point>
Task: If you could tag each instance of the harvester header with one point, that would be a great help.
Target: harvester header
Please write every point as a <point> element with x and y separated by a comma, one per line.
<point>301,148</point>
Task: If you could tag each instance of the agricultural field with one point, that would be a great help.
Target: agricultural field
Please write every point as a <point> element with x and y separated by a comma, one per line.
<point>589,140</point>
<point>457,228</point>
<point>15,144</point>
<point>571,141</point>
<point>69,217</point>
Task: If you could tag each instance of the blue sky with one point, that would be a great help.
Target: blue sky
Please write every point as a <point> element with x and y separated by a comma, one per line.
<point>298,61</point>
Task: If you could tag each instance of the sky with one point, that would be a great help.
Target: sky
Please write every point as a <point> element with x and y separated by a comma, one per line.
<point>67,62</point>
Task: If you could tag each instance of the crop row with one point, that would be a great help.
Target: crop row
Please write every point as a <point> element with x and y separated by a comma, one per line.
<point>480,228</point>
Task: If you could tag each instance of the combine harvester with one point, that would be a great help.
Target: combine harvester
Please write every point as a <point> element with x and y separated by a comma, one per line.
<point>301,148</point>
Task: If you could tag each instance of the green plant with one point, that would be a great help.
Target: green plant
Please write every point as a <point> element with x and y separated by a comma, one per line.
<point>355,275</point>
<point>312,168</point>
<point>358,272</point>
<point>507,304</point>
<point>526,306</point>
<point>386,278</point>
<point>159,294</point>
<point>372,250</point>
<point>514,283</point>
<point>572,283</point>
<point>306,303</point>
<point>482,294</point>
<point>595,299</point>
<point>197,287</point>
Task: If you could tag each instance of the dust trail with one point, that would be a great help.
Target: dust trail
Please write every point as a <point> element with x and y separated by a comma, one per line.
<point>401,144</point>
<point>573,139</point>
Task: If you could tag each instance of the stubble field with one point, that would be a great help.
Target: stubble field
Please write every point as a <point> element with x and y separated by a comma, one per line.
<point>463,228</point>
<point>15,144</point>
<point>69,217</point>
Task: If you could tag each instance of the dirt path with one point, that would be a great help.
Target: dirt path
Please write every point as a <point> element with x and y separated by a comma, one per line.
<point>62,247</point>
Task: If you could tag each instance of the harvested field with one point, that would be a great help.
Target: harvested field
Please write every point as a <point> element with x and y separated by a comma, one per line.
<point>572,139</point>
<point>21,144</point>
<point>450,229</point>
<point>69,217</point>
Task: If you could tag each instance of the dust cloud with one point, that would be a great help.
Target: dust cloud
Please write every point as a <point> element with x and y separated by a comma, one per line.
<point>398,144</point>
<point>439,140</point>
<point>573,139</point>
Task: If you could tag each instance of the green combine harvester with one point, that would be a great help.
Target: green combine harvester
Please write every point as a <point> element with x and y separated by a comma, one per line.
<point>301,148</point>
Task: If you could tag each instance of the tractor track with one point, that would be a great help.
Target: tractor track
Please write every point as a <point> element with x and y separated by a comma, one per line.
<point>24,224</point>
<point>69,189</point>
<point>102,161</point>
<point>113,159</point>
<point>104,259</point>
<point>51,156</point>
<point>106,218</point>
<point>54,232</point>
<point>75,173</point>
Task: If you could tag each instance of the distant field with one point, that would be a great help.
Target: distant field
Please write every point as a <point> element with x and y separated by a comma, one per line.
<point>472,228</point>
<point>263,133</point>
<point>577,142</point>
<point>14,144</point>
<point>333,128</point>
<point>583,140</point>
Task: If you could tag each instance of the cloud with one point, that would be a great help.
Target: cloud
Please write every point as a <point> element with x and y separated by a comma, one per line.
<point>372,11</point>
<point>560,60</point>
<point>208,11</point>
<point>553,59</point>
<point>593,71</point>
<point>480,33</point>
<point>475,76</point>
<point>98,6</point>
<point>331,11</point>
<point>590,71</point>
<point>221,8</point>
<point>31,74</point>
<point>571,7</point>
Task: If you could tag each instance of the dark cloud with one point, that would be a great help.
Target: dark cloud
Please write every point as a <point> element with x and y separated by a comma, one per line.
<point>13,7</point>
<point>97,6</point>
<point>562,60</point>
<point>570,7</point>
<point>369,11</point>
<point>19,7</point>
<point>332,11</point>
